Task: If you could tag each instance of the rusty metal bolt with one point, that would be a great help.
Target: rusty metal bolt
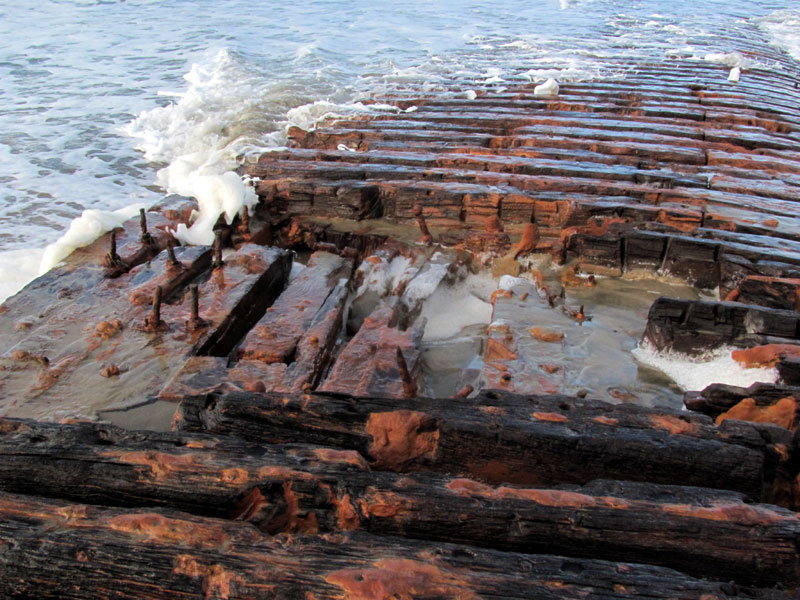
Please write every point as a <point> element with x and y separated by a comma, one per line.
<point>195,322</point>
<point>112,259</point>
<point>153,321</point>
<point>217,252</point>
<point>146,238</point>
<point>171,260</point>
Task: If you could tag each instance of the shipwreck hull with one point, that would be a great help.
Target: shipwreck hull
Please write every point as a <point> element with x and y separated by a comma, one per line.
<point>308,455</point>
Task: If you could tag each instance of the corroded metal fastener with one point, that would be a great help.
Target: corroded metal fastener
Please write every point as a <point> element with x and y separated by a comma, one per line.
<point>153,321</point>
<point>409,387</point>
<point>426,238</point>
<point>171,260</point>
<point>112,259</point>
<point>195,322</point>
<point>145,238</point>
<point>217,262</point>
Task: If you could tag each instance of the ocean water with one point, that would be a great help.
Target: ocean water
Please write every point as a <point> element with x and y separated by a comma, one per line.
<point>109,104</point>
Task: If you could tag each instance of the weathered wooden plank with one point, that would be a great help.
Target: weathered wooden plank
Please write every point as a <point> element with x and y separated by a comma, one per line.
<point>498,437</point>
<point>369,365</point>
<point>237,294</point>
<point>276,335</point>
<point>93,348</point>
<point>718,398</point>
<point>63,550</point>
<point>692,326</point>
<point>312,489</point>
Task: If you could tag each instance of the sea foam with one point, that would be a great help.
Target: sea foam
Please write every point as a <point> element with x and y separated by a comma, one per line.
<point>205,134</point>
<point>698,372</point>
<point>83,231</point>
<point>202,137</point>
<point>783,30</point>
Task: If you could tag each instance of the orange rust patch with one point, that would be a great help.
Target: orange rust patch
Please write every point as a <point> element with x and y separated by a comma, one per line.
<point>346,514</point>
<point>282,474</point>
<point>195,444</point>
<point>549,368</point>
<point>770,223</point>
<point>673,424</point>
<point>234,475</point>
<point>767,355</point>
<point>296,523</point>
<point>342,457</point>
<point>400,437</point>
<point>400,579</point>
<point>748,515</point>
<point>555,498</point>
<point>550,416</point>
<point>546,335</point>
<point>383,504</point>
<point>570,278</point>
<point>161,465</point>
<point>500,294</point>
<point>110,371</point>
<point>682,221</point>
<point>216,580</point>
<point>732,295</point>
<point>497,411</point>
<point>108,329</point>
<point>155,527</point>
<point>469,487</point>
<point>495,350</point>
<point>606,420</point>
<point>530,236</point>
<point>783,413</point>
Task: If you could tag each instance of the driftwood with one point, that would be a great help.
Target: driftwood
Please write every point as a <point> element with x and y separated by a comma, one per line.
<point>501,438</point>
<point>321,490</point>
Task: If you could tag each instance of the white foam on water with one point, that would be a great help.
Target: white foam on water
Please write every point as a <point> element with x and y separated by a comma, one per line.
<point>83,231</point>
<point>424,284</point>
<point>783,30</point>
<point>730,59</point>
<point>308,116</point>
<point>697,372</point>
<point>548,88</point>
<point>451,308</point>
<point>297,268</point>
<point>383,277</point>
<point>17,268</point>
<point>568,4</point>
<point>509,282</point>
<point>202,137</point>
